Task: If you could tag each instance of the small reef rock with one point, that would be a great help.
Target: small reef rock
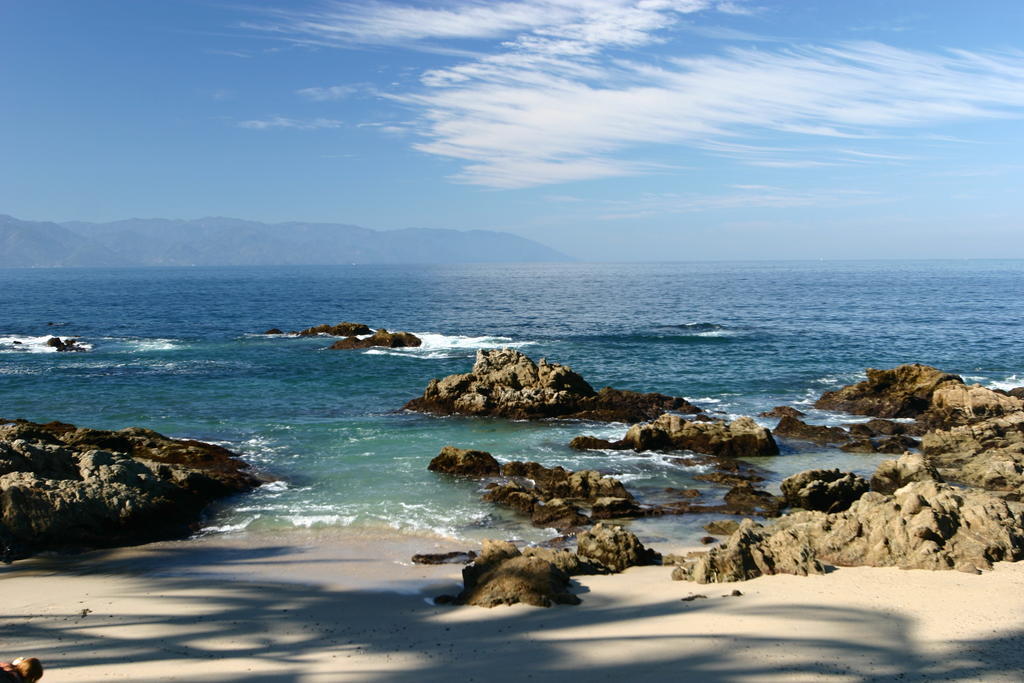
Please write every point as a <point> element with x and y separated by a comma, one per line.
<point>740,438</point>
<point>64,345</point>
<point>614,549</point>
<point>465,463</point>
<point>923,525</point>
<point>824,490</point>
<point>339,330</point>
<point>794,428</point>
<point>69,488</point>
<point>507,383</point>
<point>390,340</point>
<point>782,411</point>
<point>891,475</point>
<point>502,575</point>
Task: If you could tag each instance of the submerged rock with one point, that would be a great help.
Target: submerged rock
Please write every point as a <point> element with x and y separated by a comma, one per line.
<point>506,383</point>
<point>383,338</point>
<point>69,488</point>
<point>794,428</point>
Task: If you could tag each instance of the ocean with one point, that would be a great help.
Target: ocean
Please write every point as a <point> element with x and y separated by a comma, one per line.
<point>180,351</point>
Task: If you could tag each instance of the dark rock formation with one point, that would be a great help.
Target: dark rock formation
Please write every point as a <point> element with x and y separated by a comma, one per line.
<point>613,548</point>
<point>68,488</point>
<point>383,338</point>
<point>904,391</point>
<point>881,427</point>
<point>339,330</point>
<point>273,330</point>
<point>899,443</point>
<point>794,428</point>
<point>465,463</point>
<point>506,383</point>
<point>722,527</point>
<point>454,557</point>
<point>65,345</point>
<point>824,490</point>
<point>923,525</point>
<point>501,575</point>
<point>891,475</point>
<point>989,454</point>
<point>782,411</point>
<point>591,443</point>
<point>744,499</point>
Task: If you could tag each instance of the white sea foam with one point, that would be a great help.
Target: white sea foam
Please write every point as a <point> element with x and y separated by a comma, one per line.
<point>35,344</point>
<point>449,346</point>
<point>312,521</point>
<point>148,345</point>
<point>1011,382</point>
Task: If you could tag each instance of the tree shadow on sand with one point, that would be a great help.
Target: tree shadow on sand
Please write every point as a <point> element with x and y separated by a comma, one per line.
<point>287,632</point>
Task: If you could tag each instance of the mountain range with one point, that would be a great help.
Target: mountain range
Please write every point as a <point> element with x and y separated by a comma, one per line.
<point>233,242</point>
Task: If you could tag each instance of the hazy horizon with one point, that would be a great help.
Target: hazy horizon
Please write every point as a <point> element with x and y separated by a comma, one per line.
<point>609,130</point>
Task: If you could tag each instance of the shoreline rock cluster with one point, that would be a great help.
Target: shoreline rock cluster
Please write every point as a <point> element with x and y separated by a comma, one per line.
<point>356,336</point>
<point>67,488</point>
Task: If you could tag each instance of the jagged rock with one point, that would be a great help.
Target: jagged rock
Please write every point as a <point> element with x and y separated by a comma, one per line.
<point>563,558</point>
<point>740,438</point>
<point>557,514</point>
<point>608,507</point>
<point>454,557</point>
<point>722,527</point>
<point>882,427</point>
<point>904,391</point>
<point>506,383</point>
<point>591,443</point>
<point>824,490</point>
<point>339,330</point>
<point>954,403</point>
<point>923,525</point>
<point>748,553</point>
<point>62,487</point>
<point>782,411</point>
<point>65,345</point>
<point>503,576</point>
<point>613,548</point>
<point>465,463</point>
<point>391,340</point>
<point>794,428</point>
<point>1016,392</point>
<point>891,475</point>
<point>989,454</point>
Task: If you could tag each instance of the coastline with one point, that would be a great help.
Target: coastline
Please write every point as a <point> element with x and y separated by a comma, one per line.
<point>312,606</point>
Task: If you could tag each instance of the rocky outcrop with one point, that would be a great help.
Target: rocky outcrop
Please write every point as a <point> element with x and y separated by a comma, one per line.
<point>722,527</point>
<point>65,345</point>
<point>382,338</point>
<point>750,552</point>
<point>339,330</point>
<point>506,383</point>
<point>904,391</point>
<point>273,330</point>
<point>737,439</point>
<point>68,488</point>
<point>824,490</point>
<point>923,525</point>
<point>989,454</point>
<point>891,475</point>
<point>954,404</point>
<point>502,575</point>
<point>881,427</point>
<point>465,463</point>
<point>794,428</point>
<point>613,548</point>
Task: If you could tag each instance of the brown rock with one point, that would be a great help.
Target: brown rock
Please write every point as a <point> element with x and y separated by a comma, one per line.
<point>591,443</point>
<point>794,428</point>
<point>273,330</point>
<point>891,475</point>
<point>954,404</point>
<point>503,576</point>
<point>722,527</point>
<point>613,548</point>
<point>824,490</point>
<point>904,391</point>
<point>744,499</point>
<point>339,330</point>
<point>740,438</point>
<point>465,463</point>
<point>454,557</point>
<point>506,383</point>
<point>391,340</point>
<point>782,411</point>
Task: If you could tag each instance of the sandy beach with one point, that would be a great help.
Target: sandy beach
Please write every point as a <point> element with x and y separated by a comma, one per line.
<point>327,607</point>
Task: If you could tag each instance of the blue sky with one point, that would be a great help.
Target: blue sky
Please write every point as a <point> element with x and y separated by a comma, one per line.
<point>610,129</point>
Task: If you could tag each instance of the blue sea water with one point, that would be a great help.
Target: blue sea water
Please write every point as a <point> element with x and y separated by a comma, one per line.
<point>179,350</point>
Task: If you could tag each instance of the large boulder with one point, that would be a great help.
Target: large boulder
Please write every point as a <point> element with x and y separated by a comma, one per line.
<point>383,338</point>
<point>465,463</point>
<point>507,383</point>
<point>65,488</point>
<point>824,490</point>
<point>954,403</point>
<point>989,454</point>
<point>501,575</point>
<point>740,438</point>
<point>904,391</point>
<point>923,525</point>
<point>891,475</point>
<point>613,548</point>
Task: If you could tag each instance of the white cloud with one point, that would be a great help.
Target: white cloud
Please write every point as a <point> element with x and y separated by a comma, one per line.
<point>553,99</point>
<point>326,94</point>
<point>284,122</point>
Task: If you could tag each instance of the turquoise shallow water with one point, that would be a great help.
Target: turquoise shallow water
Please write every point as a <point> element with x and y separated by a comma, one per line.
<point>179,350</point>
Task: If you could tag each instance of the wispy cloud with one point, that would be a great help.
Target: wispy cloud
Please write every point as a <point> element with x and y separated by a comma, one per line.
<point>544,92</point>
<point>328,93</point>
<point>284,122</point>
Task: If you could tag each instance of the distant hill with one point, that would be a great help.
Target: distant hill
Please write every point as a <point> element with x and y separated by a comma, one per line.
<point>233,242</point>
